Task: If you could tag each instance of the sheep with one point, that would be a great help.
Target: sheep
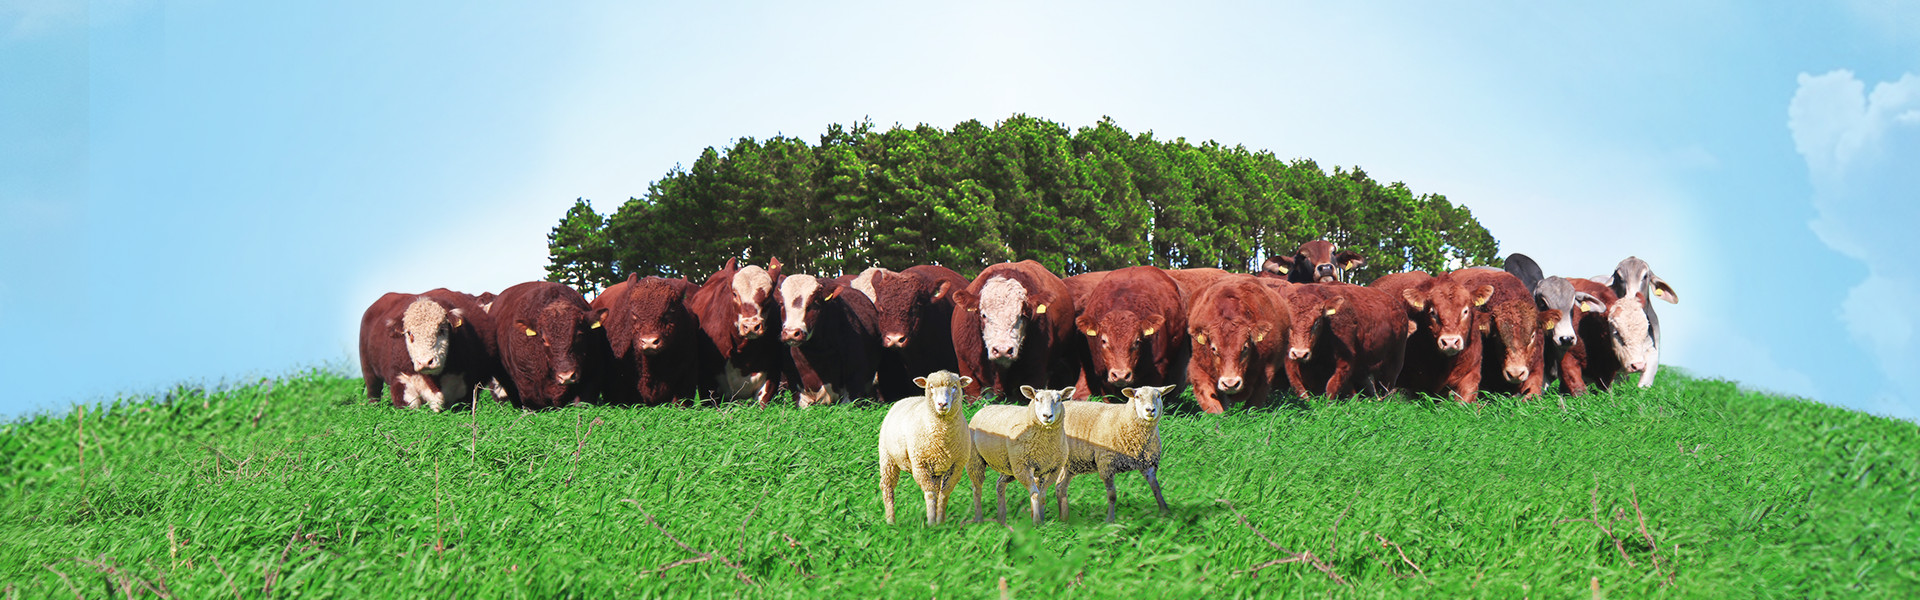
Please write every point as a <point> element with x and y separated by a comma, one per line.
<point>1113,438</point>
<point>1024,443</point>
<point>927,436</point>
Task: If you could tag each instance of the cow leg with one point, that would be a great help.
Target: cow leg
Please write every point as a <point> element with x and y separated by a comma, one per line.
<point>1653,366</point>
<point>374,386</point>
<point>1296,380</point>
<point>1570,376</point>
<point>1337,384</point>
<point>1205,395</point>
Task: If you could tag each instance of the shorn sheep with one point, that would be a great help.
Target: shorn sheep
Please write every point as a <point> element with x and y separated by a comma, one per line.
<point>1109,439</point>
<point>927,436</point>
<point>1021,442</point>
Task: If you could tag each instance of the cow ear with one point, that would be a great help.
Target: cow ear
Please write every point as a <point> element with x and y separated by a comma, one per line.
<point>1486,325</point>
<point>458,317</point>
<point>633,278</point>
<point>966,299</point>
<point>1028,391</point>
<point>1663,291</point>
<point>394,329</point>
<point>1275,266</point>
<point>942,290</point>
<point>525,329</point>
<point>1414,298</point>
<point>1152,324</point>
<point>920,381</point>
<point>965,381</point>
<point>732,263</point>
<point>1549,318</point>
<point>1087,326</point>
<point>1260,331</point>
<point>1587,303</point>
<point>486,301</point>
<point>773,268</point>
<point>1339,302</point>
<point>1480,296</point>
<point>598,315</point>
<point>1350,260</point>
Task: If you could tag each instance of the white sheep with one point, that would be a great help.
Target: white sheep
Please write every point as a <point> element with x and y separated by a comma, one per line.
<point>927,436</point>
<point>1109,439</point>
<point>1021,442</point>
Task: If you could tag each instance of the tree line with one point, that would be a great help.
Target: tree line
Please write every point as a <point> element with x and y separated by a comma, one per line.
<point>1090,199</point>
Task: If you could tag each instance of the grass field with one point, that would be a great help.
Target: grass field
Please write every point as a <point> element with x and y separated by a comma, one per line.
<point>297,487</point>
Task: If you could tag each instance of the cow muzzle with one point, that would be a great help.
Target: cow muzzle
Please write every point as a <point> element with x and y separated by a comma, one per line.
<point>894,340</point>
<point>1120,376</point>
<point>794,336</point>
<point>1452,344</point>
<point>650,345</point>
<point>1564,342</point>
<point>1637,367</point>
<point>428,368</point>
<point>750,327</point>
<point>1002,355</point>
<point>1517,373</point>
<point>1230,385</point>
<point>1301,354</point>
<point>1324,273</point>
<point>566,377</point>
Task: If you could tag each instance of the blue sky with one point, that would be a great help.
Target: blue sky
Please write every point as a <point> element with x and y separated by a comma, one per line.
<point>211,192</point>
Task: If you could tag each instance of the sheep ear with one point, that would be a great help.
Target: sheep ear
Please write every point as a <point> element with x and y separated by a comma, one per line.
<point>1129,393</point>
<point>1067,393</point>
<point>1027,390</point>
<point>1167,389</point>
<point>922,382</point>
<point>1414,298</point>
<point>965,381</point>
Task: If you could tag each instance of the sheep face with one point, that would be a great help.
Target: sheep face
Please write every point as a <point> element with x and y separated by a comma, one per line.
<point>1046,404</point>
<point>943,390</point>
<point>1147,401</point>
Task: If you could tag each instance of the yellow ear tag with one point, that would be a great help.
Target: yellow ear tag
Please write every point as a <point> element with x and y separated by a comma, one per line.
<point>1257,338</point>
<point>1586,307</point>
<point>830,295</point>
<point>1331,311</point>
<point>1091,333</point>
<point>1147,332</point>
<point>1657,292</point>
<point>1040,310</point>
<point>1201,339</point>
<point>595,325</point>
<point>974,309</point>
<point>531,333</point>
<point>457,321</point>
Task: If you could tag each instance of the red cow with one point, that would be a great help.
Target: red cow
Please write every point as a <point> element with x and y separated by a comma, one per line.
<point>1238,336</point>
<point>547,334</point>
<point>425,347</point>
<point>653,341</point>
<point>1592,356</point>
<point>1443,353</point>
<point>739,359</point>
<point>1191,281</point>
<point>1136,331</point>
<point>1011,327</point>
<point>1353,335</point>
<point>1315,262</point>
<point>1513,334</point>
<point>830,333</point>
<point>915,309</point>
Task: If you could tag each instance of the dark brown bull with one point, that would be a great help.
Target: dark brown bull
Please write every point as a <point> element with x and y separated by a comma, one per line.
<point>1013,326</point>
<point>1347,337</point>
<point>1515,360</point>
<point>1443,353</point>
<point>1238,336</point>
<point>1136,331</point>
<point>1318,261</point>
<point>915,310</point>
<point>830,333</point>
<point>547,333</point>
<point>1592,358</point>
<point>653,341</point>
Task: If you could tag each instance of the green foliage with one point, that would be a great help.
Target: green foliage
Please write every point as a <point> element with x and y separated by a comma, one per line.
<point>298,487</point>
<point>1095,198</point>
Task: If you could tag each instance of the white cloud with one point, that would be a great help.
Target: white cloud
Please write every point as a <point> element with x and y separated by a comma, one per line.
<point>1861,149</point>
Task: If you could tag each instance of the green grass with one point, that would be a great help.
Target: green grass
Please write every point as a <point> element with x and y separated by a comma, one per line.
<point>299,487</point>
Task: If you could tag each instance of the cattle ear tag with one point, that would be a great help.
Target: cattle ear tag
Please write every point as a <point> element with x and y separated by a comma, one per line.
<point>1586,307</point>
<point>1091,332</point>
<point>1332,311</point>
<point>1259,337</point>
<point>530,331</point>
<point>1040,310</point>
<point>830,295</point>
<point>457,321</point>
<point>1147,332</point>
<point>1202,338</point>
<point>595,325</point>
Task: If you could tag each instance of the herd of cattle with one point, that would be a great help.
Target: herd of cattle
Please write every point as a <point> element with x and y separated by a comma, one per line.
<point>749,331</point>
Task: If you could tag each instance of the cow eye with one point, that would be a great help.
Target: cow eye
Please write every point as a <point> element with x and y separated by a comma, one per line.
<point>1463,312</point>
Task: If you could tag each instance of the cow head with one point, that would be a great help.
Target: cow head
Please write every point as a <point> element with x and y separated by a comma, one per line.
<point>1312,317</point>
<point>1005,307</point>
<point>752,289</point>
<point>1632,333</point>
<point>1116,338</point>
<point>1317,262</point>
<point>554,331</point>
<point>899,299</point>
<point>1045,405</point>
<point>1557,294</point>
<point>942,389</point>
<point>1634,276</point>
<point>1147,401</point>
<point>427,326</point>
<point>1448,309</point>
<point>1228,346</point>
<point>801,298</point>
<point>1518,323</point>
<point>650,314</point>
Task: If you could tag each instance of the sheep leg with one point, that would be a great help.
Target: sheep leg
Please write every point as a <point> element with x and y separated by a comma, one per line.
<point>947,483</point>
<point>1153,481</point>
<point>889,476</point>
<point>1113,496</point>
<point>1060,491</point>
<point>976,472</point>
<point>1001,491</point>
<point>1032,480</point>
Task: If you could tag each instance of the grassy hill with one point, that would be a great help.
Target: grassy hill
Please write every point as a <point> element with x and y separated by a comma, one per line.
<point>298,487</point>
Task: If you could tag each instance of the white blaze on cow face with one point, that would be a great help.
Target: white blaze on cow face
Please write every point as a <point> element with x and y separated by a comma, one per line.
<point>751,285</point>
<point>427,326</point>
<point>796,297</point>
<point>864,282</point>
<point>1003,319</point>
<point>1632,335</point>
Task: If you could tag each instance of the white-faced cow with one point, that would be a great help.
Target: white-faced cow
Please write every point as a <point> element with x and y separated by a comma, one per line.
<point>743,358</point>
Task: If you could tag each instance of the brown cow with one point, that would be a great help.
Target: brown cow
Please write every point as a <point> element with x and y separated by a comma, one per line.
<point>1013,326</point>
<point>1191,281</point>
<point>739,359</point>
<point>830,333</point>
<point>653,341</point>
<point>424,347</point>
<point>1136,331</point>
<point>915,309</point>
<point>1239,341</point>
<point>547,334</point>
<point>1315,262</point>
<point>1513,334</point>
<point>1443,352</point>
<point>1354,335</point>
<point>1591,361</point>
